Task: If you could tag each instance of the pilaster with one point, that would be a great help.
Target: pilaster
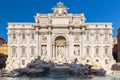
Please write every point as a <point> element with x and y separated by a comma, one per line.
<point>9,45</point>
<point>28,45</point>
<point>18,47</point>
<point>83,42</point>
<point>101,45</point>
<point>71,49</point>
<point>81,45</point>
<point>92,48</point>
<point>53,53</point>
<point>110,44</point>
<point>37,41</point>
<point>39,44</point>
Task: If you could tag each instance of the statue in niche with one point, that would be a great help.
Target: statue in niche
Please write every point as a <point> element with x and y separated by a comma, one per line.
<point>76,51</point>
<point>44,51</point>
<point>60,52</point>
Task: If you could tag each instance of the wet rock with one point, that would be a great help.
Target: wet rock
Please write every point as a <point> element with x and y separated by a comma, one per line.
<point>97,70</point>
<point>59,71</point>
<point>39,67</point>
<point>116,67</point>
<point>79,69</point>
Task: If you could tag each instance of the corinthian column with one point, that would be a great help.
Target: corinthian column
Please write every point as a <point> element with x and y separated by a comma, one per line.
<point>49,44</point>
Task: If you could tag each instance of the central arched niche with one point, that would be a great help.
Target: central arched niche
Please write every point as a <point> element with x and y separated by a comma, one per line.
<point>60,48</point>
<point>60,40</point>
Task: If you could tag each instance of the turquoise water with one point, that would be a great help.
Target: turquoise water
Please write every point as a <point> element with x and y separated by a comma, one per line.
<point>108,77</point>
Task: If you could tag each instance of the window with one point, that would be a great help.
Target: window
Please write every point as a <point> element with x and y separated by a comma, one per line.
<point>87,50</point>
<point>32,36</point>
<point>106,35</point>
<point>97,36</point>
<point>87,35</point>
<point>13,51</point>
<point>23,36</point>
<point>14,36</point>
<point>32,51</point>
<point>106,50</point>
<point>23,51</point>
<point>97,51</point>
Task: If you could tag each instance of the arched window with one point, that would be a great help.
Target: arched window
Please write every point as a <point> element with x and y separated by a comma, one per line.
<point>106,51</point>
<point>14,36</point>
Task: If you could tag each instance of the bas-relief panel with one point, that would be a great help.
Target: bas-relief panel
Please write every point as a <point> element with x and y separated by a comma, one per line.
<point>76,37</point>
<point>60,21</point>
<point>43,37</point>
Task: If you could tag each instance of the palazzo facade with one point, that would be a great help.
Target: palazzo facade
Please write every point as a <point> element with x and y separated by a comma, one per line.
<point>60,37</point>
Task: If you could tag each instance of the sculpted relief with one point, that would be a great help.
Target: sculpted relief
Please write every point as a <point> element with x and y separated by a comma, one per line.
<point>43,38</point>
<point>60,10</point>
<point>76,37</point>
<point>60,52</point>
<point>44,51</point>
<point>76,50</point>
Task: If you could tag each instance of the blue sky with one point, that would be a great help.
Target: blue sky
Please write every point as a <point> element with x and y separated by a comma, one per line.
<point>25,10</point>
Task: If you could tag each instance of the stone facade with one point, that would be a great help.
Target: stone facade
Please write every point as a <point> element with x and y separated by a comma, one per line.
<point>115,49</point>
<point>118,43</point>
<point>60,37</point>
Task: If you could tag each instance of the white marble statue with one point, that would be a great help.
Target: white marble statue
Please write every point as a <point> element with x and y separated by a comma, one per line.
<point>44,52</point>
